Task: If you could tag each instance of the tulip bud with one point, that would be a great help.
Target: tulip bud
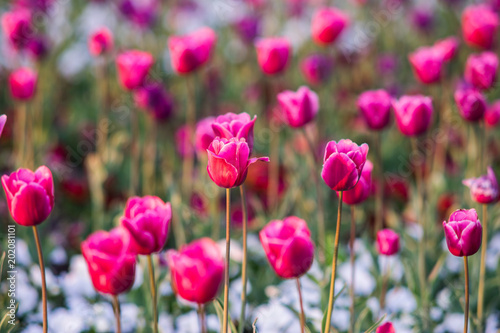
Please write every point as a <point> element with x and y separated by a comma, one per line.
<point>427,64</point>
<point>22,84</point>
<point>299,108</point>
<point>153,98</point>
<point>492,114</point>
<point>479,26</point>
<point>413,114</point>
<point>375,107</point>
<point>483,189</point>
<point>288,246</point>
<point>463,232</point>
<point>3,120</point>
<point>197,270</point>
<point>133,66</point>
<point>387,242</point>
<point>328,24</point>
<point>273,54</point>
<point>231,125</point>
<point>111,266</point>
<point>17,28</point>
<point>386,328</point>
<point>448,47</point>
<point>343,164</point>
<point>362,190</point>
<point>471,103</point>
<point>100,42</point>
<point>481,70</point>
<point>316,68</point>
<point>30,195</point>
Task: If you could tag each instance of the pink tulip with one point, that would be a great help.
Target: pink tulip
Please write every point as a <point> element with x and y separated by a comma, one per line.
<point>343,164</point>
<point>427,64</point>
<point>204,134</point>
<point>30,195</point>
<point>133,66</point>
<point>413,114</point>
<point>387,242</point>
<point>463,232</point>
<point>17,27</point>
<point>100,42</point>
<point>328,24</point>
<point>3,120</point>
<point>299,108</point>
<point>484,189</point>
<point>288,246</point>
<point>471,103</point>
<point>316,68</point>
<point>183,141</point>
<point>386,328</point>
<point>197,270</point>
<point>147,219</point>
<point>375,107</point>
<point>362,190</point>
<point>448,47</point>
<point>228,161</point>
<point>22,84</point>
<point>479,26</point>
<point>153,98</point>
<point>190,52</point>
<point>492,114</point>
<point>110,264</point>
<point>231,125</point>
<point>273,54</point>
<point>481,70</point>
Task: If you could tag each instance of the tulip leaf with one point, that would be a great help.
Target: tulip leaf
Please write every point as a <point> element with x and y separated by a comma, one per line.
<point>374,326</point>
<point>219,308</point>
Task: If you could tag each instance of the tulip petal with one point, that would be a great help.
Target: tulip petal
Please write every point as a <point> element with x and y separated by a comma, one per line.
<point>31,205</point>
<point>3,120</point>
<point>220,171</point>
<point>339,172</point>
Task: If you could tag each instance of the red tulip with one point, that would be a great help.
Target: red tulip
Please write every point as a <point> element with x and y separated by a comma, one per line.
<point>22,84</point>
<point>387,242</point>
<point>133,66</point>
<point>100,42</point>
<point>228,161</point>
<point>479,26</point>
<point>316,68</point>
<point>30,195</point>
<point>471,103</point>
<point>110,264</point>
<point>375,107</point>
<point>197,270</point>
<point>273,54</point>
<point>427,64</point>
<point>481,70</point>
<point>413,114</point>
<point>362,190</point>
<point>327,24</point>
<point>147,219</point>
<point>386,328</point>
<point>492,114</point>
<point>231,125</point>
<point>3,120</point>
<point>484,189</point>
<point>448,47</point>
<point>190,52</point>
<point>17,27</point>
<point>204,134</point>
<point>463,232</point>
<point>288,246</point>
<point>153,98</point>
<point>299,108</point>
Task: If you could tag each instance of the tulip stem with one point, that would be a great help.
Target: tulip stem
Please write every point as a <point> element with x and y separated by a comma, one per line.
<point>226,264</point>
<point>466,317</point>
<point>328,322</point>
<point>241,326</point>
<point>385,281</point>
<point>102,118</point>
<point>482,269</point>
<point>353,257</point>
<point>188,161</point>
<point>302,313</point>
<point>153,293</point>
<point>201,313</point>
<point>42,273</point>
<point>135,153</point>
<point>379,199</point>
<point>116,308</point>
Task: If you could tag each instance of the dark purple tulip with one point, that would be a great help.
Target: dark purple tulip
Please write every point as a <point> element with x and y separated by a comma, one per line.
<point>471,103</point>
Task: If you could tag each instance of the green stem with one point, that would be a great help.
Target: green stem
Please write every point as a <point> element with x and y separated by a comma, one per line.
<point>353,257</point>
<point>201,313</point>
<point>135,153</point>
<point>153,293</point>
<point>466,317</point>
<point>42,273</point>
<point>116,308</point>
<point>379,199</point>
<point>302,313</point>
<point>482,269</point>
<point>226,264</point>
<point>188,162</point>
<point>244,277</point>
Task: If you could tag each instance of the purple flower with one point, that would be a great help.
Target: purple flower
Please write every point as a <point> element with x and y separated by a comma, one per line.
<point>463,232</point>
<point>299,108</point>
<point>413,114</point>
<point>483,189</point>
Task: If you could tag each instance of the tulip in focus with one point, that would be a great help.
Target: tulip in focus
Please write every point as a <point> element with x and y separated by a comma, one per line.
<point>343,164</point>
<point>375,107</point>
<point>316,68</point>
<point>387,242</point>
<point>273,54</point>
<point>133,66</point>
<point>17,27</point>
<point>386,328</point>
<point>30,195</point>
<point>22,84</point>
<point>492,114</point>
<point>413,114</point>
<point>481,70</point>
<point>232,125</point>
<point>448,47</point>
<point>100,42</point>
<point>362,190</point>
<point>483,189</point>
<point>299,108</point>
<point>288,246</point>
<point>153,98</point>
<point>328,24</point>
<point>197,270</point>
<point>3,120</point>
<point>190,52</point>
<point>463,232</point>
<point>471,103</point>
<point>479,26</point>
<point>427,64</point>
<point>110,264</point>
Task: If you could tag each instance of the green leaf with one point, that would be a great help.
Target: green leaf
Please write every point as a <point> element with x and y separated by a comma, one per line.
<point>219,308</point>
<point>374,326</point>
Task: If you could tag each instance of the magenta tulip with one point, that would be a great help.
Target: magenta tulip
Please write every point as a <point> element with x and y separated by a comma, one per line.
<point>481,70</point>
<point>299,108</point>
<point>375,107</point>
<point>273,54</point>
<point>110,264</point>
<point>288,246</point>
<point>133,66</point>
<point>228,161</point>
<point>471,103</point>
<point>191,51</point>
<point>386,328</point>
<point>483,189</point>
<point>204,134</point>
<point>316,68</point>
<point>139,12</point>
<point>147,219</point>
<point>492,114</point>
<point>343,164</point>
<point>448,47</point>
<point>231,125</point>
<point>30,195</point>
<point>479,26</point>
<point>413,114</point>
<point>100,42</point>
<point>197,270</point>
<point>328,24</point>
<point>387,242</point>
<point>463,232</point>
<point>38,48</point>
<point>17,27</point>
<point>362,190</point>
<point>154,99</point>
<point>22,84</point>
<point>3,120</point>
<point>427,64</point>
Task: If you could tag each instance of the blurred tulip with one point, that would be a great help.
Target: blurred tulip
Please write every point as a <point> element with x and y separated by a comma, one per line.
<point>190,52</point>
<point>423,19</point>
<point>17,27</point>
<point>397,188</point>
<point>248,28</point>
<point>481,70</point>
<point>448,47</point>
<point>147,219</point>
<point>343,164</point>
<point>153,98</point>
<point>427,64</point>
<point>110,264</point>
<point>133,66</point>
<point>140,12</point>
<point>483,189</point>
<point>30,195</point>
<point>231,125</point>
<point>288,246</point>
<point>273,54</point>
<point>463,232</point>
<point>100,42</point>
<point>34,5</point>
<point>228,161</point>
<point>492,114</point>
<point>328,24</point>
<point>375,107</point>
<point>3,120</point>
<point>183,143</point>
<point>387,64</point>
<point>197,270</point>
<point>22,84</point>
<point>413,114</point>
<point>362,190</point>
<point>299,108</point>
<point>387,242</point>
<point>37,48</point>
<point>316,68</point>
<point>258,182</point>
<point>471,103</point>
<point>386,328</point>
<point>204,134</point>
<point>479,26</point>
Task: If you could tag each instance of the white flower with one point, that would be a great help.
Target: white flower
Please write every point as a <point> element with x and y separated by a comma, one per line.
<point>77,281</point>
<point>452,323</point>
<point>364,283</point>
<point>65,321</point>
<point>394,303</point>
